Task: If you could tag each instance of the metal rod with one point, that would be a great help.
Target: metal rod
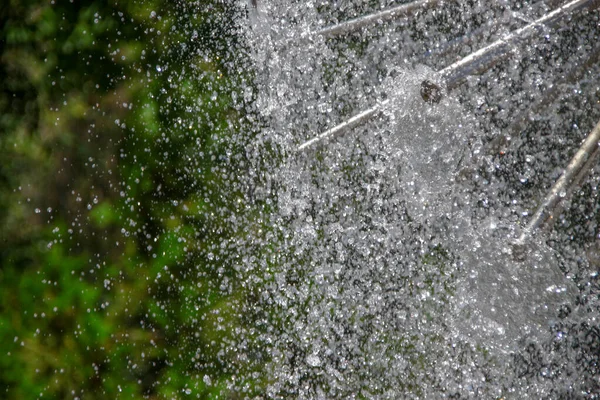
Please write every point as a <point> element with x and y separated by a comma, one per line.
<point>346,125</point>
<point>578,167</point>
<point>475,63</point>
<point>558,209</point>
<point>546,98</point>
<point>404,10</point>
<point>485,58</point>
<point>471,37</point>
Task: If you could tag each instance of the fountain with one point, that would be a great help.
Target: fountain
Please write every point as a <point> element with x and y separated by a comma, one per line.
<point>411,261</point>
<point>365,199</point>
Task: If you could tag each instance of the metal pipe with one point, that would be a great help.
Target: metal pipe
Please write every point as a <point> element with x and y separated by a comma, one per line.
<point>578,167</point>
<point>546,98</point>
<point>491,55</point>
<point>592,160</point>
<point>472,37</point>
<point>404,10</point>
<point>475,63</point>
<point>346,125</point>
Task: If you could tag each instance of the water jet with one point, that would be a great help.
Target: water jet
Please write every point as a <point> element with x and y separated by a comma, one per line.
<point>400,277</point>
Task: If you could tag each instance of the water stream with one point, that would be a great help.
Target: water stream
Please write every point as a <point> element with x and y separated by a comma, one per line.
<point>395,273</point>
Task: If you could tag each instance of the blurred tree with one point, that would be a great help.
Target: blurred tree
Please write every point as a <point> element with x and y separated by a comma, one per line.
<point>121,180</point>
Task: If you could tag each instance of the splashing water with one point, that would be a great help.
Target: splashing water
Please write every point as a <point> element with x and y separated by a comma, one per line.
<point>396,278</point>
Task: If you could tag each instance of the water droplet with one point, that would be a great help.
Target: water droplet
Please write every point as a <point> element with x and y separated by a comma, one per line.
<point>313,360</point>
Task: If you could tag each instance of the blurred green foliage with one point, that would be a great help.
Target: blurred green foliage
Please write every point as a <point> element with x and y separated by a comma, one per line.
<point>120,185</point>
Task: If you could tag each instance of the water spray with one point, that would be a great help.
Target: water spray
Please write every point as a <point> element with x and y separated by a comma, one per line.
<point>576,170</point>
<point>386,249</point>
<point>476,63</point>
<point>401,11</point>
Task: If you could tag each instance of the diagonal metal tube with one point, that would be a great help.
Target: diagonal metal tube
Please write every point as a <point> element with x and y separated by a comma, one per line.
<point>475,63</point>
<point>347,125</point>
<point>485,58</point>
<point>550,95</point>
<point>579,166</point>
<point>404,10</point>
<point>473,36</point>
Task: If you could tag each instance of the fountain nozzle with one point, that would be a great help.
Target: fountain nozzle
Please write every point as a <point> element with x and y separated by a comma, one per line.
<point>431,92</point>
